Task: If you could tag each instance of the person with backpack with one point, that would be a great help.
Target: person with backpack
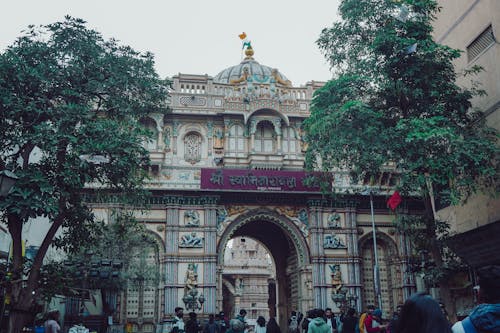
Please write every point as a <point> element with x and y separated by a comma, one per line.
<point>486,316</point>
<point>330,320</point>
<point>293,323</point>
<point>318,323</point>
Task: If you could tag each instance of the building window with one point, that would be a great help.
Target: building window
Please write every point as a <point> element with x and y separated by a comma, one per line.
<point>481,43</point>
<point>192,148</point>
<point>236,139</point>
<point>289,141</point>
<point>265,137</point>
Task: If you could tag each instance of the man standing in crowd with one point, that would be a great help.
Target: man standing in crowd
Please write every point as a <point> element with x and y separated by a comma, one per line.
<point>330,320</point>
<point>178,322</point>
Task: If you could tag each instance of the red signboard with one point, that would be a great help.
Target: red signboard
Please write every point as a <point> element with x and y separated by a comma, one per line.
<point>259,180</point>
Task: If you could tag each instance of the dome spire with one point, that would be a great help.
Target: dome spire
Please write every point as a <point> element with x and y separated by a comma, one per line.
<point>246,43</point>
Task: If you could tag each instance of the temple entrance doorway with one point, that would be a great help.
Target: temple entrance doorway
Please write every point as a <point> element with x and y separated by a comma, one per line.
<point>288,254</point>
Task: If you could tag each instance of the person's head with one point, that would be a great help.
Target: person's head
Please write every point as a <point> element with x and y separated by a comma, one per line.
<point>370,308</point>
<point>179,312</point>
<point>293,313</point>
<point>489,284</point>
<point>421,313</point>
<point>222,314</point>
<point>328,313</point>
<point>192,315</point>
<point>236,325</point>
<point>243,312</point>
<point>377,314</point>
<point>310,313</point>
<point>261,321</point>
<point>320,313</point>
<point>217,316</point>
<point>53,314</point>
<point>211,318</point>
<point>351,312</point>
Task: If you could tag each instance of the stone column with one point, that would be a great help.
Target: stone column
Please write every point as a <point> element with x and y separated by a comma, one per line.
<point>175,133</point>
<point>277,129</point>
<point>210,256</point>
<point>171,257</point>
<point>227,123</point>
<point>253,129</point>
<point>210,135</point>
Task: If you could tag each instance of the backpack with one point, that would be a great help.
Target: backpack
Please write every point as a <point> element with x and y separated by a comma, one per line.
<point>293,327</point>
<point>362,323</point>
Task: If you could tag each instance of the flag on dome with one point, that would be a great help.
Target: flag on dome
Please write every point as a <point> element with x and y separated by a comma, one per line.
<point>394,201</point>
<point>246,42</point>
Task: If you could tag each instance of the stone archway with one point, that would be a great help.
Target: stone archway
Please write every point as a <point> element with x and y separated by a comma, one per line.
<point>288,248</point>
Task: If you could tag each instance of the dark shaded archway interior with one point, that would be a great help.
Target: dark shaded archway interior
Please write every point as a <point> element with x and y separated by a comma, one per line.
<point>282,250</point>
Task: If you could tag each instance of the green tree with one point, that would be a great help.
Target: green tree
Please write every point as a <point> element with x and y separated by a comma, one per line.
<point>394,100</point>
<point>70,109</point>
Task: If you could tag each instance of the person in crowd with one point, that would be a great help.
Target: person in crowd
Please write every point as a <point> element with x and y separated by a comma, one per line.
<point>373,322</point>
<point>236,326</point>
<point>318,323</point>
<point>294,321</point>
<point>192,325</point>
<point>272,326</point>
<point>486,316</point>
<point>330,319</point>
<point>350,322</point>
<point>261,325</point>
<point>394,320</point>
<point>178,321</point>
<point>241,317</point>
<point>212,326</point>
<point>369,310</point>
<point>307,320</point>
<point>51,325</point>
<point>421,313</point>
<point>223,322</point>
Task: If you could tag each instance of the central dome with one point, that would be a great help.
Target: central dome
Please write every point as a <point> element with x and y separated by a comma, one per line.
<point>260,73</point>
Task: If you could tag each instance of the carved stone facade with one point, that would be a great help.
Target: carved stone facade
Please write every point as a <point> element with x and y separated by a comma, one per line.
<point>249,120</point>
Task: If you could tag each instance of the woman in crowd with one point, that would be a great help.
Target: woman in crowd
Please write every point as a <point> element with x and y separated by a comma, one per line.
<point>422,314</point>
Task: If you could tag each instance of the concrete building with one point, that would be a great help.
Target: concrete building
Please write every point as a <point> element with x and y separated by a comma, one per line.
<point>473,26</point>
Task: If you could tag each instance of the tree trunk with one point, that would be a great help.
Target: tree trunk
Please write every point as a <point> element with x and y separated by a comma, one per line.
<point>21,314</point>
<point>436,253</point>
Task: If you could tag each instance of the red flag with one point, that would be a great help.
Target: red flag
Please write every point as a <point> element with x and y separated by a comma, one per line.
<point>394,201</point>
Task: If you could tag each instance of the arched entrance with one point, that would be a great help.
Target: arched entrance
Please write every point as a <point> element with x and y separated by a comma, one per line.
<point>390,273</point>
<point>288,248</point>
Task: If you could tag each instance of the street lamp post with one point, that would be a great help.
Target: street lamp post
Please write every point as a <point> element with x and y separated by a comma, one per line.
<point>376,272</point>
<point>192,301</point>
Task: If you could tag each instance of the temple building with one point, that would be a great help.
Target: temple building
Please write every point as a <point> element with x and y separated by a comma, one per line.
<point>228,166</point>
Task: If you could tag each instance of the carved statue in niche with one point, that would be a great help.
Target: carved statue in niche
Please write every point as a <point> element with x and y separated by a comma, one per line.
<point>238,286</point>
<point>191,218</point>
<point>334,220</point>
<point>336,274</point>
<point>333,242</point>
<point>303,217</point>
<point>218,138</point>
<point>191,280</point>
<point>191,240</point>
<point>167,138</point>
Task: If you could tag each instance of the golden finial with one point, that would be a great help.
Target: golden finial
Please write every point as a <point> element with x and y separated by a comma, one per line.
<point>249,52</point>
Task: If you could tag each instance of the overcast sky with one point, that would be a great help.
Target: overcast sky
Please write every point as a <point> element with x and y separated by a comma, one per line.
<point>195,37</point>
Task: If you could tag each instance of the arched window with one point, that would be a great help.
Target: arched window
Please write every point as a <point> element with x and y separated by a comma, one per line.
<point>289,141</point>
<point>192,147</point>
<point>151,142</point>
<point>236,139</point>
<point>265,137</point>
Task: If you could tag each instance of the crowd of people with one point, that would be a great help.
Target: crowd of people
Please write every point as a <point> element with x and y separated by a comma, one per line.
<point>419,314</point>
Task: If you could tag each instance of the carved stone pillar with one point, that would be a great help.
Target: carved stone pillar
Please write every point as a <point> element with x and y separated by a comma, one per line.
<point>277,129</point>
